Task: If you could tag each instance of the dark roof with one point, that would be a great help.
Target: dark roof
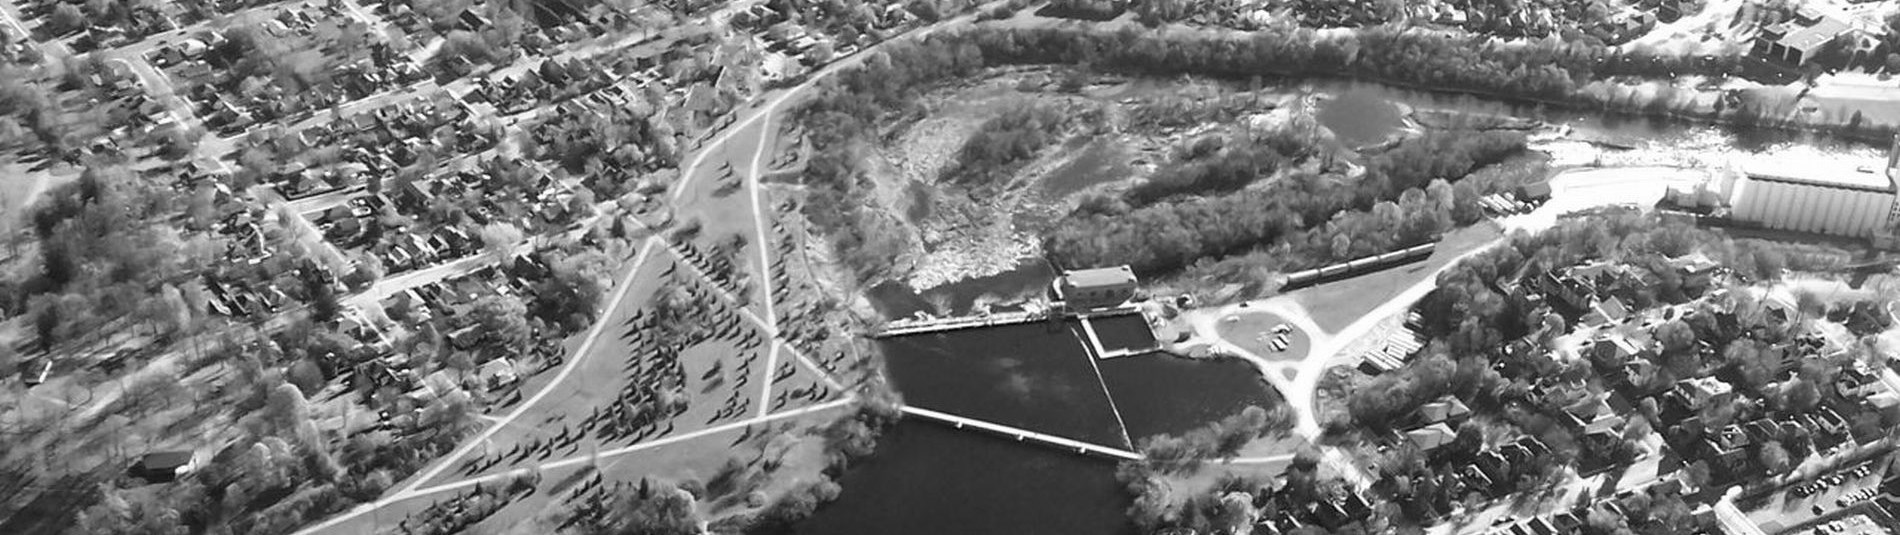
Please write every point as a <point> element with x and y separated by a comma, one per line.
<point>165,460</point>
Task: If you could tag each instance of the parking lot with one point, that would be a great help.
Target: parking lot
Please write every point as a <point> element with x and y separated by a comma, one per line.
<point>1817,497</point>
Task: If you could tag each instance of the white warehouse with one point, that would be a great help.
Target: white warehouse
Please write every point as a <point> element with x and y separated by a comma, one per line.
<point>1815,195</point>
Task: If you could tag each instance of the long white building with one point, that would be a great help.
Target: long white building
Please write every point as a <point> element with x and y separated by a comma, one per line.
<point>1825,196</point>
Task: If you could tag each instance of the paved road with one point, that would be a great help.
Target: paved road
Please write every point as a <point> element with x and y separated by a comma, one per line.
<point>764,245</point>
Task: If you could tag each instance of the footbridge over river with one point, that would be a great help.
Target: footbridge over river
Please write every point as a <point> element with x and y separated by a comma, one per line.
<point>1023,435</point>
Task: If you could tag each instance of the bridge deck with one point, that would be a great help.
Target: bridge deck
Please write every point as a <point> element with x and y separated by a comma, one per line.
<point>1023,434</point>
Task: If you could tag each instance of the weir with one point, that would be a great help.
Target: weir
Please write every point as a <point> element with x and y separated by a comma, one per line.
<point>910,327</point>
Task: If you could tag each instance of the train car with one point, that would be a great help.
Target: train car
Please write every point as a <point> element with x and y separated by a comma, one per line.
<point>1361,265</point>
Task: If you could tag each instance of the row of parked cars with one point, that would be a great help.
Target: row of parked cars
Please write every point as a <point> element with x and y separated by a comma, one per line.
<point>1817,486</point>
<point>1505,204</point>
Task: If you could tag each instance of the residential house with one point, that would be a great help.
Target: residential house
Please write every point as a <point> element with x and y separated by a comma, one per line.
<point>1703,391</point>
<point>1795,42</point>
<point>1728,449</point>
<point>1857,381</point>
<point>1431,436</point>
<point>1446,410</point>
<point>1606,312</point>
<point>1593,415</point>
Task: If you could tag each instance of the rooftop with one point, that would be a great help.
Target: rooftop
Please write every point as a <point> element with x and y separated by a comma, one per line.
<point>1866,175</point>
<point>1810,37</point>
<point>165,460</point>
<point>1108,276</point>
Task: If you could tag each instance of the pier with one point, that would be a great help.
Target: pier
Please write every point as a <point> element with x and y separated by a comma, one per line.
<point>1022,435</point>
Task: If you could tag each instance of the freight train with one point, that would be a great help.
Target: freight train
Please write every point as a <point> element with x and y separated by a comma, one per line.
<point>1359,266</point>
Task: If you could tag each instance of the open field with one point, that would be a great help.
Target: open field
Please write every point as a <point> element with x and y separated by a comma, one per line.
<point>1335,305</point>
<point>1254,331</point>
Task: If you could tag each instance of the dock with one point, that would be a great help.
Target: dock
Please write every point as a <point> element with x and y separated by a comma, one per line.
<point>1023,435</point>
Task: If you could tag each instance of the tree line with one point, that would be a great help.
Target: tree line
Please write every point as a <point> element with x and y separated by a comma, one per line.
<point>1167,237</point>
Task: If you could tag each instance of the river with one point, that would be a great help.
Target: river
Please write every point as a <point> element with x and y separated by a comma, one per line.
<point>927,478</point>
<point>1357,112</point>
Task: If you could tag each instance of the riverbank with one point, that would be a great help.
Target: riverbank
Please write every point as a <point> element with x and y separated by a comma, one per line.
<point>1860,109</point>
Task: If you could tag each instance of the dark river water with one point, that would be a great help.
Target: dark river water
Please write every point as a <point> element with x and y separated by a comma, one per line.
<point>928,478</point>
<point>1359,117</point>
<point>1360,109</point>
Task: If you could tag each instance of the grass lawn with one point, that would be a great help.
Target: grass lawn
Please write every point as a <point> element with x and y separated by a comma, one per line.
<point>718,200</point>
<point>1253,331</point>
<point>800,455</point>
<point>801,379</point>
<point>595,387</point>
<point>1334,305</point>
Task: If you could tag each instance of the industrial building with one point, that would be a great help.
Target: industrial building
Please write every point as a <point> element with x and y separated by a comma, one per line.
<point>1095,288</point>
<point>1817,195</point>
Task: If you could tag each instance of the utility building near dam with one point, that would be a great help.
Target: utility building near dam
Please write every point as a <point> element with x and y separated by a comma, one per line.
<point>1821,196</point>
<point>1082,289</point>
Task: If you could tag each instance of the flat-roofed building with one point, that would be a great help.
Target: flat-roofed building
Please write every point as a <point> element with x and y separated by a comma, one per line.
<point>1095,288</point>
<point>1826,196</point>
<point>1796,41</point>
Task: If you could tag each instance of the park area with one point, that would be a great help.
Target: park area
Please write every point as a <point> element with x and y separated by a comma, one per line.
<point>678,362</point>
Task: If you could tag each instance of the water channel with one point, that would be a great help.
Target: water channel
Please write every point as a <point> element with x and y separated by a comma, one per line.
<point>927,478</point>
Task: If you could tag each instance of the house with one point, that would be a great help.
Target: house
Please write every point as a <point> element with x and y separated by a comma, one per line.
<point>497,374</point>
<point>1447,410</point>
<point>1593,415</point>
<point>1703,391</point>
<point>1694,264</point>
<point>1728,449</point>
<point>1857,380</point>
<point>1430,437</point>
<point>163,466</point>
<point>1612,350</point>
<point>1606,312</point>
<point>1493,465</point>
<point>1795,42</point>
<point>471,20</point>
